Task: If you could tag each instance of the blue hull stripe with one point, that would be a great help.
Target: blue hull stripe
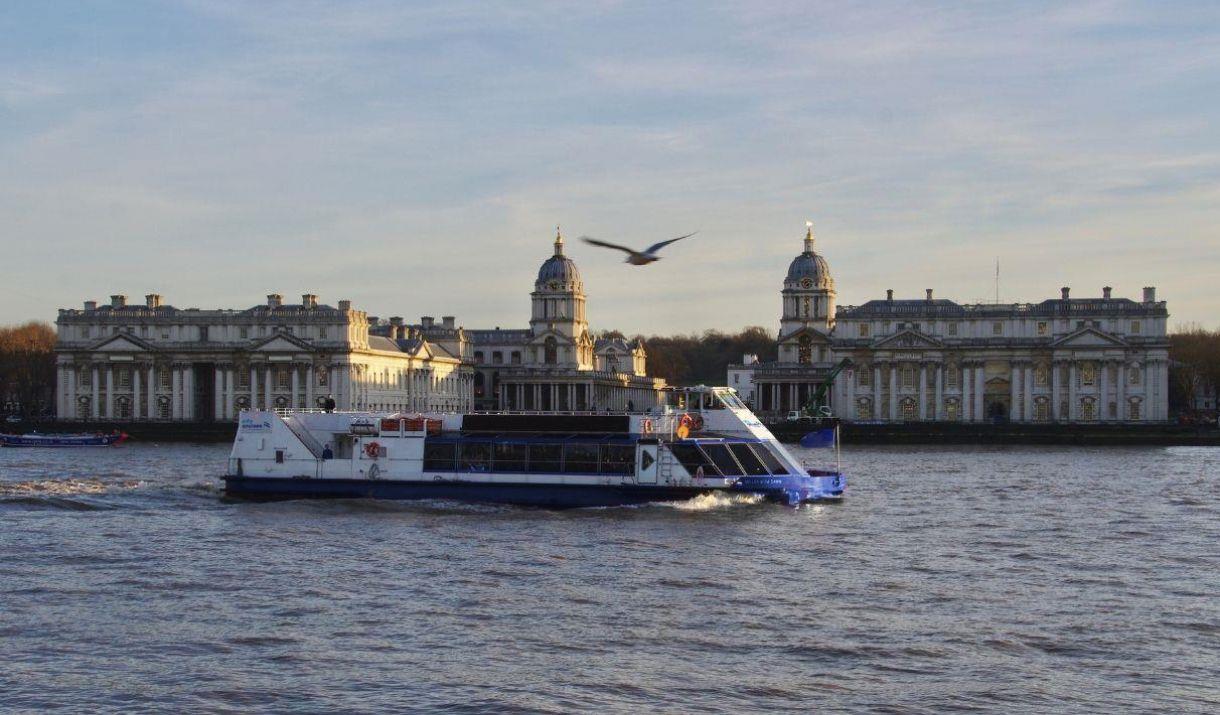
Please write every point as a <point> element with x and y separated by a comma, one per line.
<point>555,496</point>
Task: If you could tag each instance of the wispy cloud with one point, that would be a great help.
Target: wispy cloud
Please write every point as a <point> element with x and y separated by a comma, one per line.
<point>415,157</point>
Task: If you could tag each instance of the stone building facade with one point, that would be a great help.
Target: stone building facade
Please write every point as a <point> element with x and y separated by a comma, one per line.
<point>1075,360</point>
<point>1067,360</point>
<point>158,362</point>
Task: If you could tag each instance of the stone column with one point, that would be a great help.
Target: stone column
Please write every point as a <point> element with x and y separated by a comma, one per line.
<point>1120,391</point>
<point>231,393</point>
<point>1027,384</point>
<point>110,392</point>
<point>135,392</point>
<point>1162,385</point>
<point>1146,412</point>
<point>966,406</point>
<point>1014,388</point>
<point>253,387</point>
<point>940,392</point>
<point>1056,390</point>
<point>152,392</point>
<point>848,410</point>
<point>311,403</point>
<point>61,392</point>
<point>876,391</point>
<point>175,393</point>
<point>95,406</point>
<point>218,393</point>
<point>1104,392</point>
<point>188,392</point>
<point>893,392</point>
<point>70,395</point>
<point>268,385</point>
<point>921,404</point>
<point>296,385</point>
<point>980,373</point>
<point>1073,393</point>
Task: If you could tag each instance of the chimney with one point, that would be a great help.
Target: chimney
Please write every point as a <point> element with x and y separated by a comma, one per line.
<point>309,300</point>
<point>396,321</point>
<point>1105,292</point>
<point>447,321</point>
<point>345,305</point>
<point>426,322</point>
<point>1149,294</point>
<point>1063,292</point>
<point>274,300</point>
<point>889,294</point>
<point>118,301</point>
<point>152,300</point>
<point>372,320</point>
<point>929,292</point>
<point>91,305</point>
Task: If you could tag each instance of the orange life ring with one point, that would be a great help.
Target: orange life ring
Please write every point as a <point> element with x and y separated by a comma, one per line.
<point>696,422</point>
<point>373,450</point>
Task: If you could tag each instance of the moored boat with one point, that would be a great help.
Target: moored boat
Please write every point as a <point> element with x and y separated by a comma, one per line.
<point>706,441</point>
<point>34,439</point>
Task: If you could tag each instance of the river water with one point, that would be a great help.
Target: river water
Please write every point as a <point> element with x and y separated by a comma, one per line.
<point>952,579</point>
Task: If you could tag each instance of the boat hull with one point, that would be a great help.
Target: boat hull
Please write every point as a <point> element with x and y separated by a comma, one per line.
<point>53,440</point>
<point>551,496</point>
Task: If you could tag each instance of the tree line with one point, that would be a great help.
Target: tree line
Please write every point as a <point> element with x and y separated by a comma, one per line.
<point>27,368</point>
<point>1194,366</point>
<point>703,358</point>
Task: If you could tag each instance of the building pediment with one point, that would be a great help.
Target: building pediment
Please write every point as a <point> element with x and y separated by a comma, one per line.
<point>911,339</point>
<point>560,338</point>
<point>1089,337</point>
<point>281,343</point>
<point>816,337</point>
<point>123,343</point>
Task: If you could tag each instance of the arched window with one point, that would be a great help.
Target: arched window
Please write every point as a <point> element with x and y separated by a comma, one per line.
<point>551,351</point>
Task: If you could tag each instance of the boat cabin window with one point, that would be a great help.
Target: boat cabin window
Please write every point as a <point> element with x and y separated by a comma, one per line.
<point>439,457</point>
<point>580,459</point>
<point>731,400</point>
<point>692,459</point>
<point>722,459</point>
<point>476,456</point>
<point>545,457</point>
<point>749,461</point>
<point>279,456</point>
<point>510,458</point>
<point>774,463</point>
<point>618,459</point>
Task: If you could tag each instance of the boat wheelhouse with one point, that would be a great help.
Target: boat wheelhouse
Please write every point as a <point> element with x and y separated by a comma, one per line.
<point>705,440</point>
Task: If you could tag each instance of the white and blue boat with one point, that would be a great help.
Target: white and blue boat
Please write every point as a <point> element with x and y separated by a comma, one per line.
<point>706,441</point>
<point>35,439</point>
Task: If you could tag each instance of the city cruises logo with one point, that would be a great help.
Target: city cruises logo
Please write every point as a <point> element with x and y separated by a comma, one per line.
<point>250,424</point>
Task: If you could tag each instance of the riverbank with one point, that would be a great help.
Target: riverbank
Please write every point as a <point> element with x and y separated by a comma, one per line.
<point>852,433</point>
<point>1029,434</point>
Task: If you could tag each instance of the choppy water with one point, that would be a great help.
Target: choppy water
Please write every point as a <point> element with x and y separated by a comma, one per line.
<point>990,579</point>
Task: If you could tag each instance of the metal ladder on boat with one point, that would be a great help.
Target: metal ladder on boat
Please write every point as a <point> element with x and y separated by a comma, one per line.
<point>311,443</point>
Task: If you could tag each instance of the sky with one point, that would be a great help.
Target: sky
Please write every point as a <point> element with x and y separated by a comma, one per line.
<point>415,158</point>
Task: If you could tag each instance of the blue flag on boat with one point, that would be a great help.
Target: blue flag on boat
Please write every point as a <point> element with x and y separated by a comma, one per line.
<point>819,439</point>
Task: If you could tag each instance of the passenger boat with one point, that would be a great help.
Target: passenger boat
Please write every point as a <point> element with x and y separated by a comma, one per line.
<point>63,440</point>
<point>705,441</point>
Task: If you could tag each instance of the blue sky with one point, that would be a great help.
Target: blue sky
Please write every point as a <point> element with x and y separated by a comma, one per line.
<point>415,158</point>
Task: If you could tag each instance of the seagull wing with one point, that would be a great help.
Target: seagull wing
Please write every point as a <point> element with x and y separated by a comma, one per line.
<point>658,246</point>
<point>603,244</point>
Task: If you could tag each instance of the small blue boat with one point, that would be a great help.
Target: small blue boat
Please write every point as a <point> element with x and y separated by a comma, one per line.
<point>63,440</point>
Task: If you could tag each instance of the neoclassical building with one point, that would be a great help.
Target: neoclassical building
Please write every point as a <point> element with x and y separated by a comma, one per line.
<point>1067,360</point>
<point>1094,359</point>
<point>558,363</point>
<point>158,362</point>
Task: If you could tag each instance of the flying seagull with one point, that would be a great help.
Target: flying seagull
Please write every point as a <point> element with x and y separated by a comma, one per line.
<point>634,257</point>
